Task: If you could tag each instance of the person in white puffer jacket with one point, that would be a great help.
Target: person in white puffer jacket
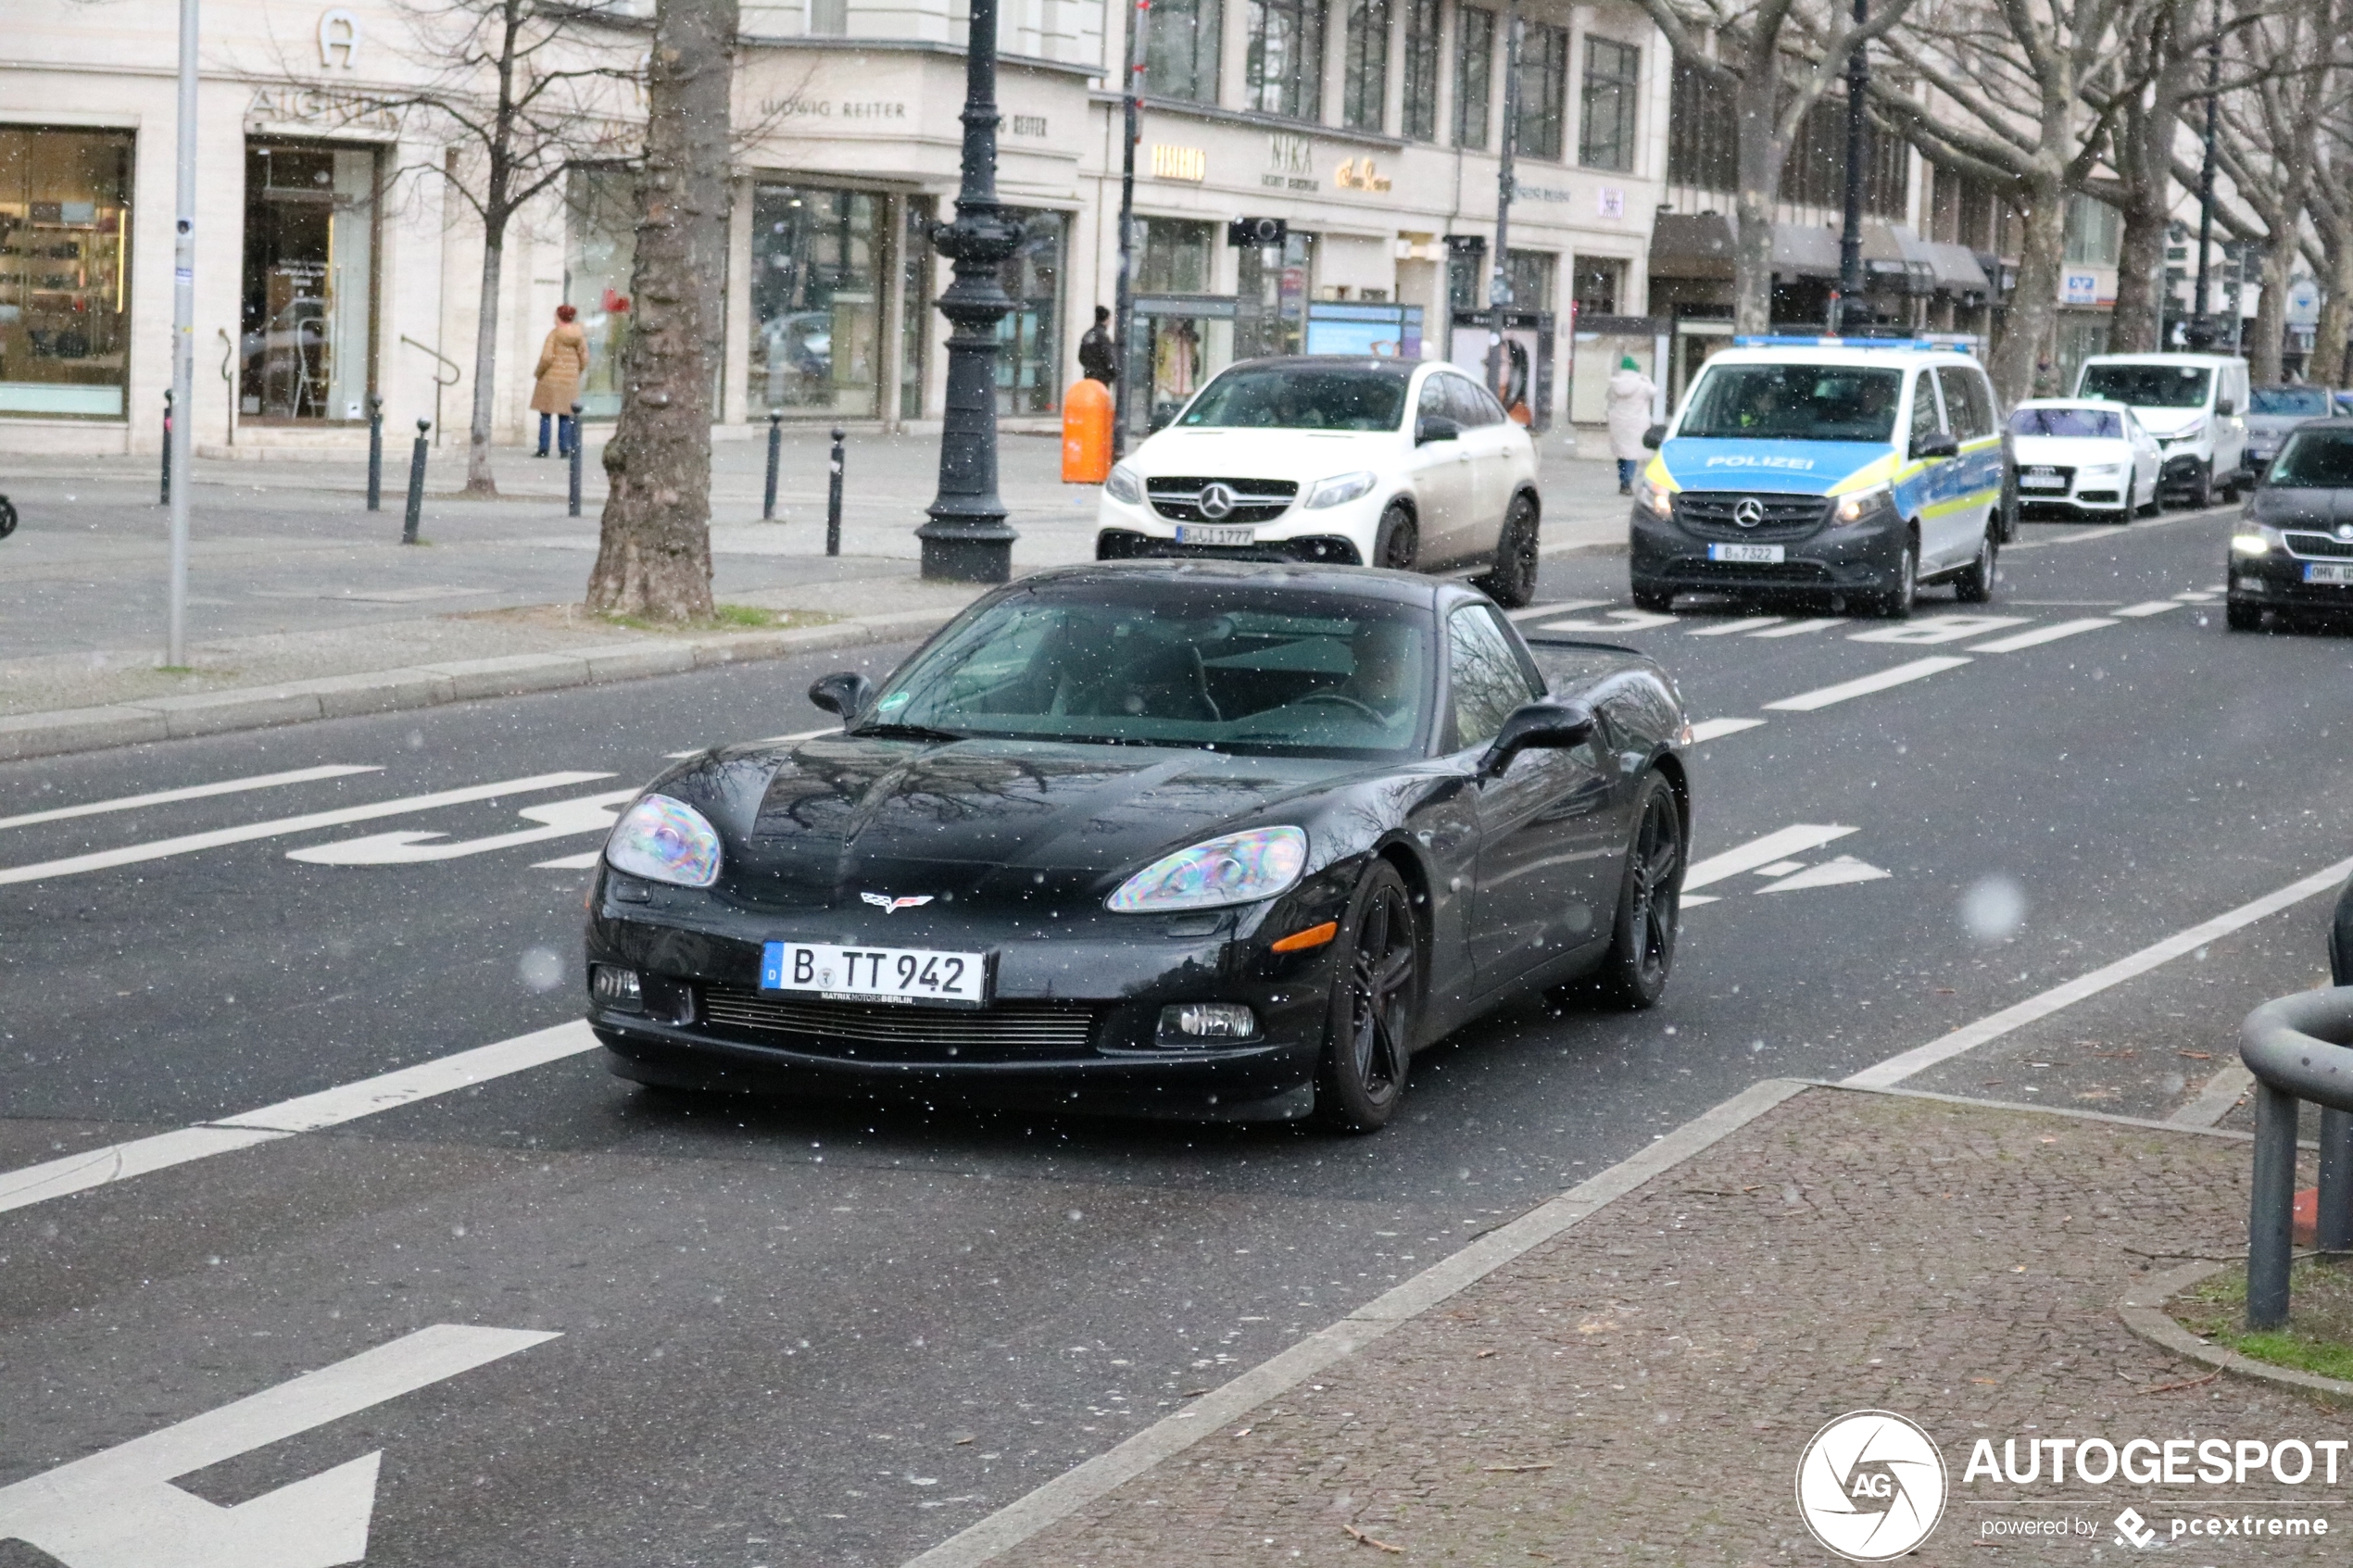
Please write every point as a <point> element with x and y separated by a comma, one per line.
<point>1628,401</point>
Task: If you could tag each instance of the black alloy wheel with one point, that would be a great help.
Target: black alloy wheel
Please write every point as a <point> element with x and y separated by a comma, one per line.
<point>1975,585</point>
<point>1904,583</point>
<point>2202,493</point>
<point>1512,583</point>
<point>1398,540</point>
<point>1650,905</point>
<point>8,517</point>
<point>1375,996</point>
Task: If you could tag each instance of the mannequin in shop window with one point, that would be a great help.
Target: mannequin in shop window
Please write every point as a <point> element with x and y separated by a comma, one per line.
<point>563,364</point>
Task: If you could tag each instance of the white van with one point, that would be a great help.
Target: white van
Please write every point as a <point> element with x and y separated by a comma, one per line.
<point>2193,404</point>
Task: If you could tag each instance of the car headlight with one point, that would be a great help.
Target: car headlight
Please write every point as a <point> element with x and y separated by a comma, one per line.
<point>1241,868</point>
<point>665,840</point>
<point>1121,484</point>
<point>2255,539</point>
<point>1861,505</point>
<point>1656,499</point>
<point>2186,434</point>
<point>1340,488</point>
<point>2107,471</point>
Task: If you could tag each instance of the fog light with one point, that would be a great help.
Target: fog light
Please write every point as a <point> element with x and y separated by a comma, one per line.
<point>2250,544</point>
<point>616,988</point>
<point>1207,1021</point>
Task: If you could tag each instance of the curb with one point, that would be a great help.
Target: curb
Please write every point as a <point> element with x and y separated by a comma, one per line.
<point>2144,1312</point>
<point>27,735</point>
<point>1073,1490</point>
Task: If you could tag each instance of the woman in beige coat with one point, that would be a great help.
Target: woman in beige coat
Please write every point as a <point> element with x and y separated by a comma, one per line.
<point>563,361</point>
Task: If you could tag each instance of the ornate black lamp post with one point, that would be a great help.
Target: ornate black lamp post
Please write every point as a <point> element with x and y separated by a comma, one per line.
<point>968,539</point>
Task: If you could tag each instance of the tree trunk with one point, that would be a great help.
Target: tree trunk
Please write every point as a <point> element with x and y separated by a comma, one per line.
<point>654,559</point>
<point>2327,367</point>
<point>2033,305</point>
<point>2271,308</point>
<point>2138,321</point>
<point>1759,180</point>
<point>479,480</point>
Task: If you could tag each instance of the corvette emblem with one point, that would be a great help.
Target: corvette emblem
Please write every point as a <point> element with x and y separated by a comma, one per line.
<point>1749,511</point>
<point>891,906</point>
<point>1216,501</point>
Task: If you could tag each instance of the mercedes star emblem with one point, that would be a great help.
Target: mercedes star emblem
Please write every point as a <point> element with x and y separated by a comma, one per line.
<point>1217,500</point>
<point>1749,511</point>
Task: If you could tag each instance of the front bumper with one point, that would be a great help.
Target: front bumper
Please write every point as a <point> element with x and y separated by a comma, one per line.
<point>2276,580</point>
<point>1105,988</point>
<point>1341,535</point>
<point>1320,549</point>
<point>1855,557</point>
<point>2181,470</point>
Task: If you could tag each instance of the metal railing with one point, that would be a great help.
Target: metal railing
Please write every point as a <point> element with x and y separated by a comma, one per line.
<point>2297,1050</point>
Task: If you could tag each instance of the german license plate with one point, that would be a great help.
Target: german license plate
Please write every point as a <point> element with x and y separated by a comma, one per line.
<point>1755,553</point>
<point>2040,479</point>
<point>1212,533</point>
<point>2329,572</point>
<point>907,975</point>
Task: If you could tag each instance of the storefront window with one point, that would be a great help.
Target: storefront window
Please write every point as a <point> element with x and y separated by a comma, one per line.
<point>1531,275</point>
<point>1474,70</point>
<point>816,301</point>
<point>1028,368</point>
<point>65,228</point>
<point>600,253</point>
<point>1285,63</point>
<point>1271,296</point>
<point>309,276</point>
<point>1177,257</point>
<point>1181,50</point>
<point>1613,82</point>
<point>914,284</point>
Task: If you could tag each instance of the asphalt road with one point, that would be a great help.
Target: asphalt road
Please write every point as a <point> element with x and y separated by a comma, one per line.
<point>797,1333</point>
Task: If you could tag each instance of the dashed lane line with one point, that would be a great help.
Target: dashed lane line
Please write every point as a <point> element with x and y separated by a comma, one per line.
<point>189,844</point>
<point>306,1113</point>
<point>2147,607</point>
<point>2042,635</point>
<point>190,792</point>
<point>1795,839</point>
<point>1825,697</point>
<point>1747,623</point>
<point>1715,729</point>
<point>1800,628</point>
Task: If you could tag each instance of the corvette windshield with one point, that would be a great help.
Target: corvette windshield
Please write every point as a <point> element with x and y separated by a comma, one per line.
<point>1301,397</point>
<point>1794,403</point>
<point>1223,668</point>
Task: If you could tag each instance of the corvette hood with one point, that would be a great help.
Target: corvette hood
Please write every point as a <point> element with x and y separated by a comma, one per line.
<point>993,822</point>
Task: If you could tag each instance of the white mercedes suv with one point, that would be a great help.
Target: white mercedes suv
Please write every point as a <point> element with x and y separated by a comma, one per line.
<point>1404,464</point>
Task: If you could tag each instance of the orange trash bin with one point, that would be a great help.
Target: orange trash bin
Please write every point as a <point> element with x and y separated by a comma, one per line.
<point>1086,409</point>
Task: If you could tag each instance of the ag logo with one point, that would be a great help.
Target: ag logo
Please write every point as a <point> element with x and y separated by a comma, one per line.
<point>1871,1486</point>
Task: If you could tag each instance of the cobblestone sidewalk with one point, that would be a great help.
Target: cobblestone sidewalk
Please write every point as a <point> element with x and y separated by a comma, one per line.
<point>1641,1387</point>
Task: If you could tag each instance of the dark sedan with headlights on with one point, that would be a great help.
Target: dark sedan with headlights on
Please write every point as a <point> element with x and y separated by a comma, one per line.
<point>2292,552</point>
<point>1212,840</point>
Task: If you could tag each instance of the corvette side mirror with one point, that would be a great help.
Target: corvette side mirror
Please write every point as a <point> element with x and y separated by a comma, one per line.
<point>1547,723</point>
<point>1653,436</point>
<point>843,694</point>
<point>1435,427</point>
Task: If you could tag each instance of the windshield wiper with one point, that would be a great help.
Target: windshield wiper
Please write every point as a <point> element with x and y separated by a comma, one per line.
<point>908,732</point>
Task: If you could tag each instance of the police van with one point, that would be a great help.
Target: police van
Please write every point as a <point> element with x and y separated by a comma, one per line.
<point>1852,470</point>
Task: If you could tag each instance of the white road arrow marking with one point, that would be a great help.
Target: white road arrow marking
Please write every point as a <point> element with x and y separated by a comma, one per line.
<point>1619,621</point>
<point>192,792</point>
<point>1795,839</point>
<point>1728,628</point>
<point>570,863</point>
<point>1939,629</point>
<point>1715,728</point>
<point>1806,702</point>
<point>189,844</point>
<point>118,1509</point>
<point>1800,628</point>
<point>2042,635</point>
<point>2149,607</point>
<point>765,740</point>
<point>559,819</point>
<point>1830,873</point>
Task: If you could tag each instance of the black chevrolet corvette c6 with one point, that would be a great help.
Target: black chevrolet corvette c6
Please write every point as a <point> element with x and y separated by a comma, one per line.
<point>1191,839</point>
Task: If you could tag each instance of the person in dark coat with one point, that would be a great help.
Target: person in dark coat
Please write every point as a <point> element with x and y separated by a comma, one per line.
<point>1098,356</point>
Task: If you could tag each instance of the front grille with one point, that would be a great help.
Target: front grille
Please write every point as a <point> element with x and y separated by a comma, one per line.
<point>1320,549</point>
<point>1698,568</point>
<point>2317,546</point>
<point>1177,497</point>
<point>2098,498</point>
<point>879,1032</point>
<point>1712,513</point>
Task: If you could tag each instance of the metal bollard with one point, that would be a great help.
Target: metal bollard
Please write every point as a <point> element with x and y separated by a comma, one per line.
<point>2333,1215</point>
<point>167,446</point>
<point>375,453</point>
<point>833,499</point>
<point>576,445</point>
<point>415,484</point>
<point>2271,1207</point>
<point>775,456</point>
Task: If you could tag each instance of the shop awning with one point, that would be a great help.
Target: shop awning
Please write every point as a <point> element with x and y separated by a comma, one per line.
<point>1802,251</point>
<point>1692,245</point>
<point>1957,271</point>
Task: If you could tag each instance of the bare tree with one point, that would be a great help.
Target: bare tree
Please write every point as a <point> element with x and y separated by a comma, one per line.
<point>2270,132</point>
<point>2331,206</point>
<point>654,557</point>
<point>2018,87</point>
<point>2167,52</point>
<point>1775,61</point>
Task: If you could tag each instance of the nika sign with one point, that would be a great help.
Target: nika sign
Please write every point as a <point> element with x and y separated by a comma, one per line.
<point>1358,174</point>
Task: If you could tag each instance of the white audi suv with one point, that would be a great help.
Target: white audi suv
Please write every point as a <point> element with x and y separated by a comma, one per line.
<point>1406,464</point>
